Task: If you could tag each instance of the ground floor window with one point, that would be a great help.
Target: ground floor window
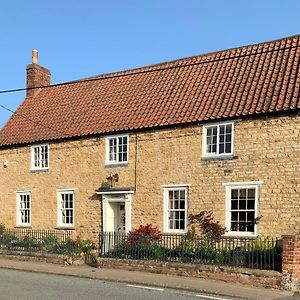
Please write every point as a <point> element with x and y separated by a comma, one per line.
<point>66,201</point>
<point>175,208</point>
<point>242,208</point>
<point>23,208</point>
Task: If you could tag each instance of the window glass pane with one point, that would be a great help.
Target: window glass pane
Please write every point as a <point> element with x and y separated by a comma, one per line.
<point>176,194</point>
<point>234,204</point>
<point>250,204</point>
<point>234,194</point>
<point>228,128</point>
<point>250,228</point>
<point>242,226</point>
<point>228,137</point>
<point>242,193</point>
<point>222,129</point>
<point>250,217</point>
<point>242,204</point>
<point>221,148</point>
<point>182,194</point>
<point>182,224</point>
<point>234,216</point>
<point>171,204</point>
<point>251,193</point>
<point>242,216</point>
<point>176,204</point>
<point>228,148</point>
<point>234,226</point>
<point>182,204</point>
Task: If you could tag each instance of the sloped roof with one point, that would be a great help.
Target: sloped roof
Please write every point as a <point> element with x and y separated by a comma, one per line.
<point>245,81</point>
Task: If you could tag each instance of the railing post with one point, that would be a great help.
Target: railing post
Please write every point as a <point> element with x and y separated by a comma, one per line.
<point>291,262</point>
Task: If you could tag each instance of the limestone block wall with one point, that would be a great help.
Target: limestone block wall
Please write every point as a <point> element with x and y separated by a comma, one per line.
<point>266,150</point>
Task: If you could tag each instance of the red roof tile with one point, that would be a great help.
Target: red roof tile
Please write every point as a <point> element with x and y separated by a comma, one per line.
<point>245,81</point>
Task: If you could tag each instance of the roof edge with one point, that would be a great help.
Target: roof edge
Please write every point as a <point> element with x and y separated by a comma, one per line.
<point>274,114</point>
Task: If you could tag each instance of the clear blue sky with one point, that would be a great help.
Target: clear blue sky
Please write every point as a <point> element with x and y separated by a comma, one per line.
<point>78,39</point>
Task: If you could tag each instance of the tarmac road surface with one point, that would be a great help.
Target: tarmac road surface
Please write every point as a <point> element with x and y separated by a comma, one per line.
<point>28,285</point>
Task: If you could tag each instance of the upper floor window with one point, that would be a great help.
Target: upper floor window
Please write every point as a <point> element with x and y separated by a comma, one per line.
<point>217,140</point>
<point>242,208</point>
<point>117,149</point>
<point>175,209</point>
<point>40,157</point>
<point>66,202</point>
<point>23,208</point>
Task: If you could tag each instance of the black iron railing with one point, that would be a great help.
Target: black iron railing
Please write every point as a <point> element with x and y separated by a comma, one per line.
<point>259,253</point>
<point>52,241</point>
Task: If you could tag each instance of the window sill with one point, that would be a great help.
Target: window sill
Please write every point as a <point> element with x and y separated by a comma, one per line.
<point>181,232</point>
<point>219,157</point>
<point>39,170</point>
<point>116,165</point>
<point>241,235</point>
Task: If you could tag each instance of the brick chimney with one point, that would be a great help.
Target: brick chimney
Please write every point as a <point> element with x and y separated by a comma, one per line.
<point>37,76</point>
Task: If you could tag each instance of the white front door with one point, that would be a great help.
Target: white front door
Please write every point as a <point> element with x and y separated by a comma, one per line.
<point>116,212</point>
<point>121,217</point>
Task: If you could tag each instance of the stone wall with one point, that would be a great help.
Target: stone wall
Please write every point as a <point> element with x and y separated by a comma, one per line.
<point>265,150</point>
<point>269,279</point>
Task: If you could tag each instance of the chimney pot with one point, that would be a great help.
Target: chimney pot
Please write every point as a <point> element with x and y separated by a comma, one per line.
<point>35,55</point>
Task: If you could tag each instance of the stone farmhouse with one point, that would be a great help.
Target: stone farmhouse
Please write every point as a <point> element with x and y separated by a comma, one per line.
<point>216,132</point>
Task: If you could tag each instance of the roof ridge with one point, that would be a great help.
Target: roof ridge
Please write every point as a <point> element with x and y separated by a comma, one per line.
<point>184,58</point>
<point>244,81</point>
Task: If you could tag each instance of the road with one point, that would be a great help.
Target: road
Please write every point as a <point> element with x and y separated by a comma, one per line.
<point>28,285</point>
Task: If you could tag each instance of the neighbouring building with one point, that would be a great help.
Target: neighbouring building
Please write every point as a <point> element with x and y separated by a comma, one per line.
<point>216,132</point>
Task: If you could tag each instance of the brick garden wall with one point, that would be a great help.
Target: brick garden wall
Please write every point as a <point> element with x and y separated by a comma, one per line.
<point>291,262</point>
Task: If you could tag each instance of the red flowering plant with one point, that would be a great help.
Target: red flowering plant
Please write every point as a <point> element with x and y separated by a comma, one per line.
<point>144,235</point>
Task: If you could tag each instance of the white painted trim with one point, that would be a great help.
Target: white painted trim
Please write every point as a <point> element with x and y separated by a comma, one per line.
<point>117,162</point>
<point>126,199</point>
<point>59,216</point>
<point>175,185</point>
<point>128,213</point>
<point>18,216</point>
<point>212,123</point>
<point>166,203</point>
<point>67,190</point>
<point>204,154</point>
<point>114,192</point>
<point>23,191</point>
<point>245,185</point>
<point>32,167</point>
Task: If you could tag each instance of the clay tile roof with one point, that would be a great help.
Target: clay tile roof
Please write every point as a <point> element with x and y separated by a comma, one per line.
<point>245,81</point>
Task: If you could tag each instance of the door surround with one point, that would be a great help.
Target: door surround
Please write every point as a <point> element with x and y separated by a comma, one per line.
<point>109,197</point>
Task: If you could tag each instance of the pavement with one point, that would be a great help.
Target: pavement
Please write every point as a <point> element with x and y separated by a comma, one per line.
<point>151,279</point>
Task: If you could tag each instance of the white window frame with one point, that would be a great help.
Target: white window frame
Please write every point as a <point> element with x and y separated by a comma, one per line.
<point>241,185</point>
<point>205,127</point>
<point>60,224</point>
<point>166,189</point>
<point>116,161</point>
<point>40,160</point>
<point>19,222</point>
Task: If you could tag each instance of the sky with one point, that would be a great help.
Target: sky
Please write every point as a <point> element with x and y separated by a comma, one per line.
<point>78,39</point>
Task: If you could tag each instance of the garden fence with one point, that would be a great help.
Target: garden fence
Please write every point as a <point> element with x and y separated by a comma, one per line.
<point>258,253</point>
<point>51,241</point>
